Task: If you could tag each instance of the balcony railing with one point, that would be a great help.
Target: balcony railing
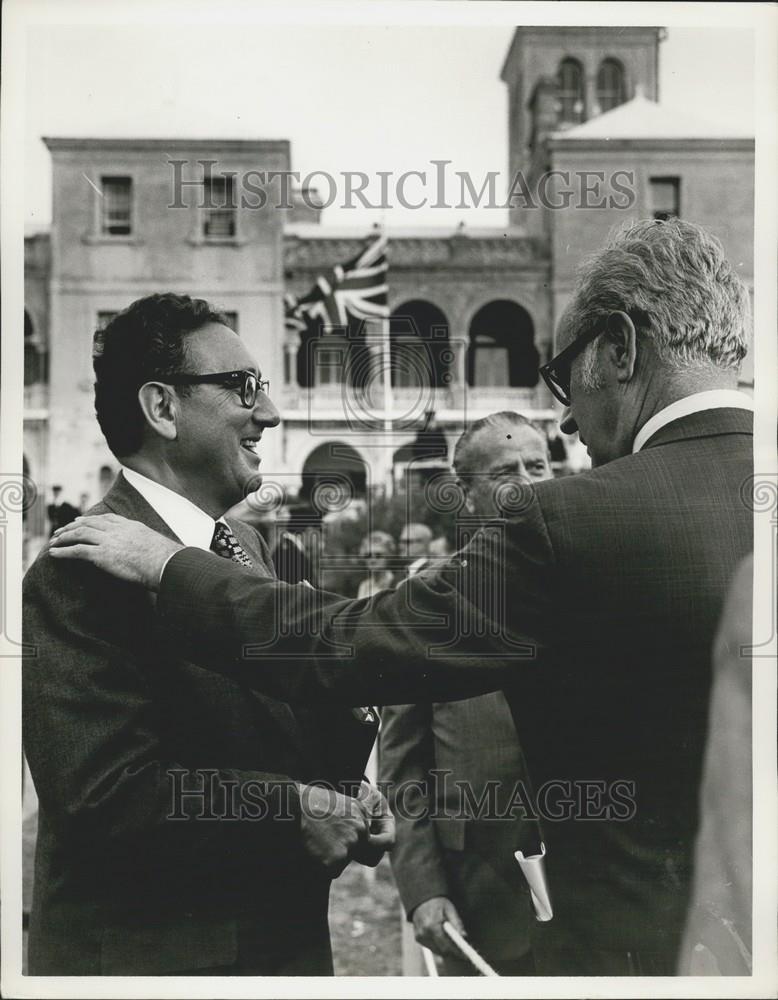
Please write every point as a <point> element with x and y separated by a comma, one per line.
<point>345,402</point>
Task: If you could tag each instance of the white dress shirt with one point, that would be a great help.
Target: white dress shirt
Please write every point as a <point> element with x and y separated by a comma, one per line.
<point>713,399</point>
<point>187,521</point>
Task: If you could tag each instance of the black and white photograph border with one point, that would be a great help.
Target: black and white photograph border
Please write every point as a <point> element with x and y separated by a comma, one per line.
<point>336,175</point>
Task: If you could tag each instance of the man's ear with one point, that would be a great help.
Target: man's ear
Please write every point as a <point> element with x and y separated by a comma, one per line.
<point>159,405</point>
<point>622,345</point>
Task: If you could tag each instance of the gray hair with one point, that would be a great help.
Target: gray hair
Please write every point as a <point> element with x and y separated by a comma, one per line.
<point>510,417</point>
<point>674,281</point>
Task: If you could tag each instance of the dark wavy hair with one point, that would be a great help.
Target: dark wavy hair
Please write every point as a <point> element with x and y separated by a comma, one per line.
<point>145,341</point>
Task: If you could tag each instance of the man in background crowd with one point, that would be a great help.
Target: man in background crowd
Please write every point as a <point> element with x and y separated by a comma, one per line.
<point>378,550</point>
<point>415,541</point>
<point>297,553</point>
<point>460,868</point>
<point>60,512</point>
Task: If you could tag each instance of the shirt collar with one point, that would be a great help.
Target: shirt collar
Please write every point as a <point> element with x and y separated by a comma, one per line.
<point>187,521</point>
<point>713,399</point>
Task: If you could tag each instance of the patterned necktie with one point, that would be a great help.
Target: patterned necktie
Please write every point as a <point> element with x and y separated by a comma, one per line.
<point>225,544</point>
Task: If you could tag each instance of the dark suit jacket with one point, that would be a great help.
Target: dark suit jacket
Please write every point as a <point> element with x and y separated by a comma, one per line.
<point>617,576</point>
<point>291,561</point>
<point>111,706</point>
<point>449,844</point>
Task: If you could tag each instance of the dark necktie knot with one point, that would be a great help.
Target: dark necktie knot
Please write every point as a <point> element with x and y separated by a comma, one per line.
<point>226,545</point>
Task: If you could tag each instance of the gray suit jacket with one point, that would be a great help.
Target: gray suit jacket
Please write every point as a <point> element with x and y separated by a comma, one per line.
<point>450,770</point>
<point>131,877</point>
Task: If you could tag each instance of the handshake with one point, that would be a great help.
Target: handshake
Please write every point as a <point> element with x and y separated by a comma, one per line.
<point>337,828</point>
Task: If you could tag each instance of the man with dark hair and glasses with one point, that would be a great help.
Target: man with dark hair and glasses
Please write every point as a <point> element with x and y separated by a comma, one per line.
<point>179,833</point>
<point>611,582</point>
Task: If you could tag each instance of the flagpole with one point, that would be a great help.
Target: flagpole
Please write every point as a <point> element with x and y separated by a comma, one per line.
<point>386,365</point>
<point>357,287</point>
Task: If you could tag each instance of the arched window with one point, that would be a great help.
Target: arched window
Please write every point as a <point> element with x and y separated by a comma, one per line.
<point>420,355</point>
<point>34,358</point>
<point>333,473</point>
<point>571,91</point>
<point>330,356</point>
<point>610,84</point>
<point>502,347</point>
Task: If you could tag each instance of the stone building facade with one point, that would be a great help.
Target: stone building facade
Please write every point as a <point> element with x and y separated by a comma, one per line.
<point>131,217</point>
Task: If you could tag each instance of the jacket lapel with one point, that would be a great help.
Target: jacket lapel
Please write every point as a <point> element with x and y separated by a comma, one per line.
<point>124,499</point>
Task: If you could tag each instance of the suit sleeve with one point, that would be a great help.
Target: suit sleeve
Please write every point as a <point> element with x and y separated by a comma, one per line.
<point>92,735</point>
<point>343,741</point>
<point>407,756</point>
<point>453,634</point>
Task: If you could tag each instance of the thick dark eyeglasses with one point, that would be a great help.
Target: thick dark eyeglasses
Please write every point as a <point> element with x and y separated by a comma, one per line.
<point>556,374</point>
<point>249,384</point>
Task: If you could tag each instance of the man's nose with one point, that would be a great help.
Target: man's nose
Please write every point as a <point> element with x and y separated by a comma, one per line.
<point>520,475</point>
<point>265,412</point>
<point>567,424</point>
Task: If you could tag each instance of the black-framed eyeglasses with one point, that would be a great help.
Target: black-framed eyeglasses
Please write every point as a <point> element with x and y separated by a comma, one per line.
<point>248,383</point>
<point>556,374</point>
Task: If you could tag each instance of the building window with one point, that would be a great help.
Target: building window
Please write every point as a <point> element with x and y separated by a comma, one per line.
<point>571,91</point>
<point>502,347</point>
<point>334,355</point>
<point>420,351</point>
<point>232,320</point>
<point>331,361</point>
<point>116,205</point>
<point>610,85</point>
<point>219,208</point>
<point>35,358</point>
<point>665,198</point>
<point>490,362</point>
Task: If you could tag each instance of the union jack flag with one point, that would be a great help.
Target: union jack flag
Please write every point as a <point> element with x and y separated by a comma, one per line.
<point>357,288</point>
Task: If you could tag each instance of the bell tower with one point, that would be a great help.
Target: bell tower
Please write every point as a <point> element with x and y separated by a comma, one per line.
<point>558,77</point>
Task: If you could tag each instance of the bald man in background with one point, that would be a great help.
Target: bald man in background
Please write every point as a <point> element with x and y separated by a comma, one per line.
<point>460,867</point>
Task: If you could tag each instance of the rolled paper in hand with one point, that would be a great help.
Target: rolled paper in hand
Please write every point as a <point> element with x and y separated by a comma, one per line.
<point>534,871</point>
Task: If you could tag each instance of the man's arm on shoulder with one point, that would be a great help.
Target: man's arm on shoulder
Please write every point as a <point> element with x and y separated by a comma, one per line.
<point>299,644</point>
<point>455,634</point>
<point>93,733</point>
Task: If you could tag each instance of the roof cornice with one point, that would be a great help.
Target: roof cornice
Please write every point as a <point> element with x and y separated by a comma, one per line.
<point>447,252</point>
<point>646,144</point>
<point>74,144</point>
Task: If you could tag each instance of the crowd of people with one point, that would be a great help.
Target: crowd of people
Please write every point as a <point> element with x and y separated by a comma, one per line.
<point>200,709</point>
<point>373,543</point>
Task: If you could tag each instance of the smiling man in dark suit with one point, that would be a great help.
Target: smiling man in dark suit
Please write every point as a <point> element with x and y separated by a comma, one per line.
<point>614,580</point>
<point>178,833</point>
